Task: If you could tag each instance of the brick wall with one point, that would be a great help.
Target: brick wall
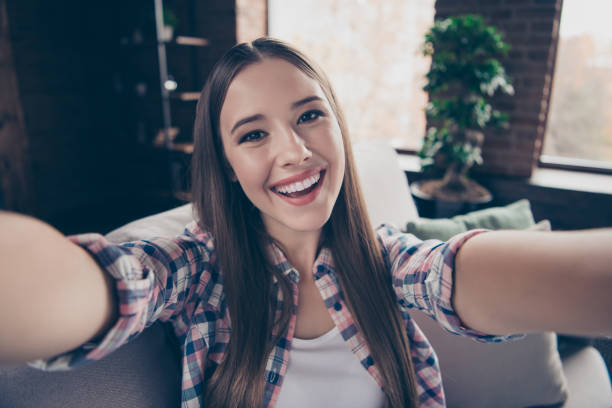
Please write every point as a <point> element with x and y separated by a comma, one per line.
<point>531,28</point>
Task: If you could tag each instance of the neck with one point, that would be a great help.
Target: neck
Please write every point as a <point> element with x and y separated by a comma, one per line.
<point>300,247</point>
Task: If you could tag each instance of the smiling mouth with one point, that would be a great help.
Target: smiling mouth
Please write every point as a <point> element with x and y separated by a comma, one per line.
<point>300,188</point>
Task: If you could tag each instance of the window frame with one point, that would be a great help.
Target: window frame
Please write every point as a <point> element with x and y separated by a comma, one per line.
<point>573,164</point>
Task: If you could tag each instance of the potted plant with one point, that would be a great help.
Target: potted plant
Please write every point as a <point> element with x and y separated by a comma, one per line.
<point>465,73</point>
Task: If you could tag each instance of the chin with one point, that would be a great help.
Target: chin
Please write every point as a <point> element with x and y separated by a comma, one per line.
<point>308,224</point>
<point>300,224</point>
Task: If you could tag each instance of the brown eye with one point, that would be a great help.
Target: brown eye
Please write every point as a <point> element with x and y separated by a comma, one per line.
<point>253,136</point>
<point>310,116</point>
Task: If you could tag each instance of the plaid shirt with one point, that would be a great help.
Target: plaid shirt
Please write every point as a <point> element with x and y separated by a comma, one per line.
<point>178,280</point>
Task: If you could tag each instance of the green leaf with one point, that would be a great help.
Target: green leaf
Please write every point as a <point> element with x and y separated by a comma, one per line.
<point>466,71</point>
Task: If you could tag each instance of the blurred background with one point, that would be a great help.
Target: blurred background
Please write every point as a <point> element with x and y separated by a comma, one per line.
<point>97,99</point>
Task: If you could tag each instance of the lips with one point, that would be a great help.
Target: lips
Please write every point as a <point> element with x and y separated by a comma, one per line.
<point>298,187</point>
<point>302,189</point>
<point>302,177</point>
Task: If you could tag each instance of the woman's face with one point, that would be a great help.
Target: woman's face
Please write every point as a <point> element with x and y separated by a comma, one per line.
<point>284,145</point>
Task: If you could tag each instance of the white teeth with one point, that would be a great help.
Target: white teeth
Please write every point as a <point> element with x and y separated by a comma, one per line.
<point>300,185</point>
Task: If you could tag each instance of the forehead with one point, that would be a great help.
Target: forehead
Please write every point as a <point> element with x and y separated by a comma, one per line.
<point>265,85</point>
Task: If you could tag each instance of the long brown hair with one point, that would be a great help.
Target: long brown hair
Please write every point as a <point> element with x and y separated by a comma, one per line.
<point>240,240</point>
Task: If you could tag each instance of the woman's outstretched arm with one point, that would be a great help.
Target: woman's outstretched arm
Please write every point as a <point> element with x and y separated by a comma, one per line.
<point>53,295</point>
<point>516,282</point>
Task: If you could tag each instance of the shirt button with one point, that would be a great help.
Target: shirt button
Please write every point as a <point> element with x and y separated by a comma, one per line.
<point>338,306</point>
<point>272,377</point>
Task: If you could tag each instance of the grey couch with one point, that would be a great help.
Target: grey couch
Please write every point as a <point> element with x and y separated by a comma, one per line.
<point>146,372</point>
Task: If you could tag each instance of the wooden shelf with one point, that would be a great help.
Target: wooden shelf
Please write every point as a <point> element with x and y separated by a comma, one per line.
<point>160,141</point>
<point>186,148</point>
<point>178,40</point>
<point>185,96</point>
<point>160,138</point>
<point>194,41</point>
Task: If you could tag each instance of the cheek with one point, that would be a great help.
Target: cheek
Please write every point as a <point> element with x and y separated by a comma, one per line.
<point>251,175</point>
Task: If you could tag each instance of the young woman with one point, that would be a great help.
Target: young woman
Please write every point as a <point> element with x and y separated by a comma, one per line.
<point>281,293</point>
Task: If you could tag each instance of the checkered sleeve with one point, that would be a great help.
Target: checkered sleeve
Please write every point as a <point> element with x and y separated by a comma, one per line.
<point>422,274</point>
<point>155,279</point>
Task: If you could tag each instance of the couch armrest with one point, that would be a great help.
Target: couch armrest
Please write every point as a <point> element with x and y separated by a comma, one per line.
<point>587,378</point>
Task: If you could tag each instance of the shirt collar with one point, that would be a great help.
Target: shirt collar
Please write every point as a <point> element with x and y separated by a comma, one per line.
<point>323,263</point>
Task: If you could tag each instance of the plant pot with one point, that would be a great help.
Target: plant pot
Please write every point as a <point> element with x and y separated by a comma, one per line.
<point>430,207</point>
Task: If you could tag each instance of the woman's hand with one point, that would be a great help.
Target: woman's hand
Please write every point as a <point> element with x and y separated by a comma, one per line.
<point>53,295</point>
<point>518,281</point>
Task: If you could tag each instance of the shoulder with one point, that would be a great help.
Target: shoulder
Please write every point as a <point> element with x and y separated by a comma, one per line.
<point>193,232</point>
<point>193,244</point>
<point>392,240</point>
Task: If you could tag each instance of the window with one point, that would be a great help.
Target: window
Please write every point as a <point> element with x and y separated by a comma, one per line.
<point>580,123</point>
<point>370,49</point>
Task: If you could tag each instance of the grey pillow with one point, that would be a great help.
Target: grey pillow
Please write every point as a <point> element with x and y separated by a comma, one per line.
<point>521,373</point>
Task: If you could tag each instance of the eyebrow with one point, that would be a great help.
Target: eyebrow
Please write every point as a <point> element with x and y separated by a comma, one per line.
<point>248,119</point>
<point>305,101</point>
<point>259,116</point>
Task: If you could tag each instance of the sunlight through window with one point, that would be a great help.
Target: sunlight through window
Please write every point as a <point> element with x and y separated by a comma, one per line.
<point>580,123</point>
<point>371,51</point>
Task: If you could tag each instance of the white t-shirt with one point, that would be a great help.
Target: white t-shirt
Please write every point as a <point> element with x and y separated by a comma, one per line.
<point>323,372</point>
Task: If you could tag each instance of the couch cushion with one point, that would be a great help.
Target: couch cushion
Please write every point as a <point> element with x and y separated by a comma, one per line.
<point>384,184</point>
<point>521,373</point>
<point>513,216</point>
<point>165,224</point>
<point>144,373</point>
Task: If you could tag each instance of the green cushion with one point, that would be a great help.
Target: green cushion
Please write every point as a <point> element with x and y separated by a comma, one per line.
<point>513,216</point>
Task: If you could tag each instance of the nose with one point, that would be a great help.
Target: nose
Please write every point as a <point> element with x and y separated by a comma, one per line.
<point>292,149</point>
